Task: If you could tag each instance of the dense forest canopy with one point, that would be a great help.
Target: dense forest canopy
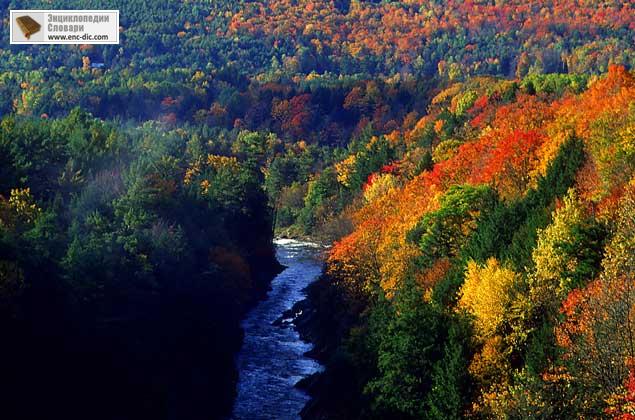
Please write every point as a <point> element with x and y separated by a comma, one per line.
<point>488,268</point>
<point>211,55</point>
<point>456,38</point>
<point>471,162</point>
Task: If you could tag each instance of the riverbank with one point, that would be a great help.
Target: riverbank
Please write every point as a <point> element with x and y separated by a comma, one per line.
<point>272,358</point>
<point>325,319</point>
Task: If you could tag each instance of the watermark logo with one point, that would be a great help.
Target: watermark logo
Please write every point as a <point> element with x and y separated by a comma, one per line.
<point>64,26</point>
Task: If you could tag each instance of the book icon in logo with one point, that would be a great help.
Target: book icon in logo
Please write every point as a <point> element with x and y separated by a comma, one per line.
<point>28,26</point>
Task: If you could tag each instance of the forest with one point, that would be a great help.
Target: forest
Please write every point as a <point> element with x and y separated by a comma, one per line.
<point>496,282</point>
<point>469,164</point>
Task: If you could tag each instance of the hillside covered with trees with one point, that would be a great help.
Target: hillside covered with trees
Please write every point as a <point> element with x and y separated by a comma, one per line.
<point>495,282</point>
<point>472,164</point>
<point>128,258</point>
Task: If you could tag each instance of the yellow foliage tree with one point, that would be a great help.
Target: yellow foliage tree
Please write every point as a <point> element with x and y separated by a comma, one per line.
<point>381,185</point>
<point>552,264</point>
<point>22,203</point>
<point>487,294</point>
<point>344,170</point>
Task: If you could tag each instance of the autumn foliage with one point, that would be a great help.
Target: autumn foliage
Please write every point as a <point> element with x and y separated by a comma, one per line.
<point>570,296</point>
<point>401,31</point>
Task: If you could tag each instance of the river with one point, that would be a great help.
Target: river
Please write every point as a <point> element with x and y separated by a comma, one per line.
<point>272,359</point>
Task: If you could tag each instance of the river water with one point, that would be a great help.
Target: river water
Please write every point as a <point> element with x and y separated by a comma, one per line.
<point>272,359</point>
